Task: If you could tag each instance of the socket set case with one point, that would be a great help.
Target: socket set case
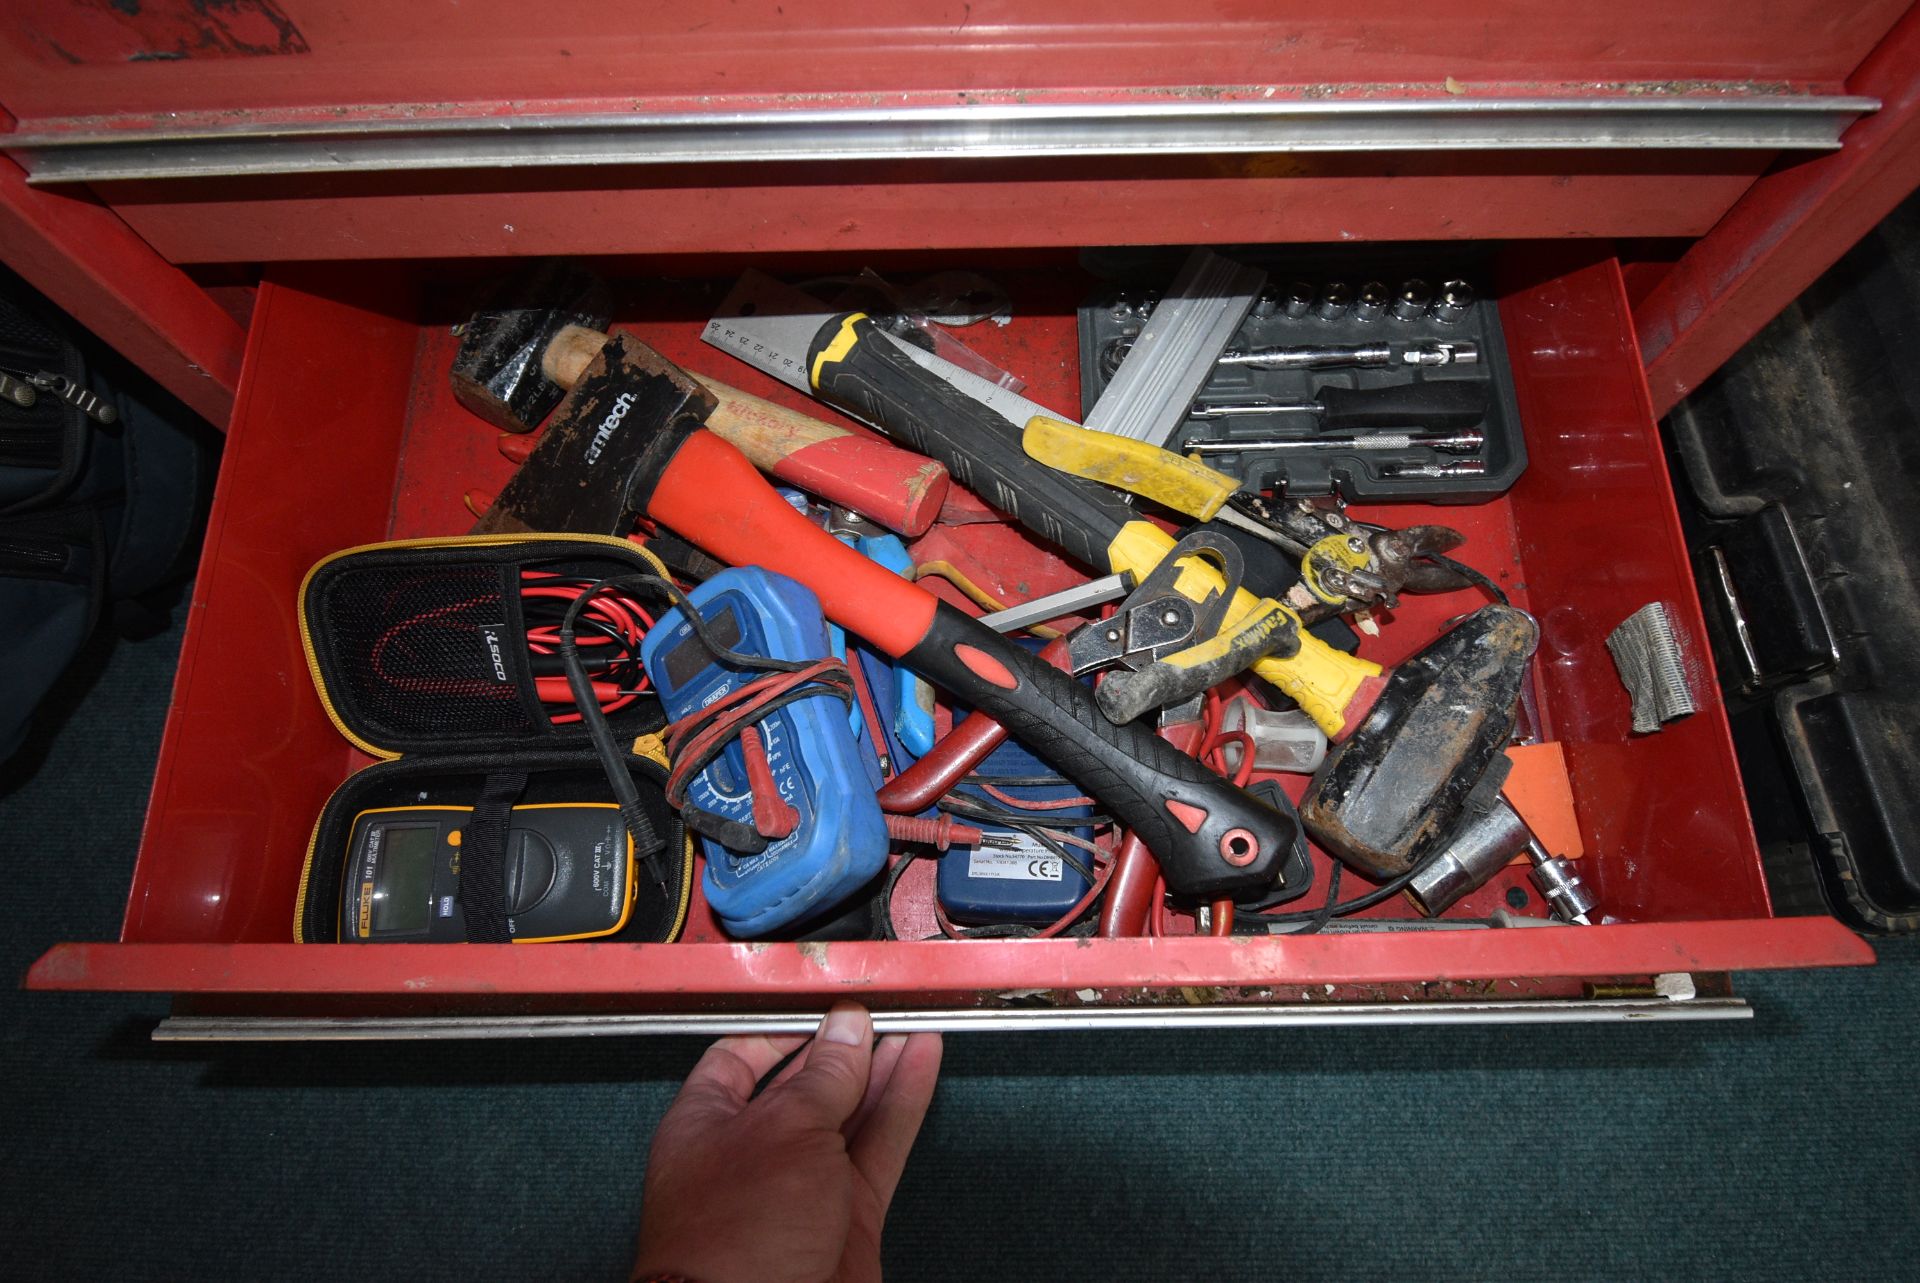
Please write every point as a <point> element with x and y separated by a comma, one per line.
<point>1118,312</point>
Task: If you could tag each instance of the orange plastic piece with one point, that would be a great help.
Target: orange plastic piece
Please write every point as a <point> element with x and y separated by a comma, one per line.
<point>1539,789</point>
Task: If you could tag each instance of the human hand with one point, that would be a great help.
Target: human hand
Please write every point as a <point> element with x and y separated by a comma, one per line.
<point>792,1184</point>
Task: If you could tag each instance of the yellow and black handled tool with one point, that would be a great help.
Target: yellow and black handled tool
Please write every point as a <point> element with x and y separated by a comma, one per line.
<point>1161,662</point>
<point>1190,487</point>
<point>1341,567</point>
<point>1414,746</point>
<point>852,363</point>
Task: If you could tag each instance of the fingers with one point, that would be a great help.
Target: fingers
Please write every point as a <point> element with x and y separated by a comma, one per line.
<point>726,1075</point>
<point>792,1067</point>
<point>829,1086</point>
<point>886,1054</point>
<point>882,1065</point>
<point>880,1147</point>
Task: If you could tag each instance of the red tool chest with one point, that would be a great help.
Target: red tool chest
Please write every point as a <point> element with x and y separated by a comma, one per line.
<point>1654,184</point>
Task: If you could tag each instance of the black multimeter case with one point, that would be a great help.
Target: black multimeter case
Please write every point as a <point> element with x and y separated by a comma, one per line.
<point>461,733</point>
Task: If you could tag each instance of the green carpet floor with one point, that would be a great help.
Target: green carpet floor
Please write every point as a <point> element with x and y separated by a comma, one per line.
<point>1786,1147</point>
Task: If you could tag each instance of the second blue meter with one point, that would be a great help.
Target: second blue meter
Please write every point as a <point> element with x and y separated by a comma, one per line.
<point>840,841</point>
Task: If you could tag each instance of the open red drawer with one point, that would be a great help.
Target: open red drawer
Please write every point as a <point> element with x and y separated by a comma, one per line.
<point>345,433</point>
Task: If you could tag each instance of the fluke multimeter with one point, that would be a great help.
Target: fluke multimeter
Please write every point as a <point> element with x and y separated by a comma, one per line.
<point>569,873</point>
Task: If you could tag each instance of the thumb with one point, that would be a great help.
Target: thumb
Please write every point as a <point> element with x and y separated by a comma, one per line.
<point>832,1082</point>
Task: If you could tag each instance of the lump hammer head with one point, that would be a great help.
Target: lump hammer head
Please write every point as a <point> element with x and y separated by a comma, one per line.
<point>596,464</point>
<point>497,372</point>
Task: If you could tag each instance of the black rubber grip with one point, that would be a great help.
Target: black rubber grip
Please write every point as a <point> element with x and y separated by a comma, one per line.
<point>1211,838</point>
<point>881,384</point>
<point>1431,403</point>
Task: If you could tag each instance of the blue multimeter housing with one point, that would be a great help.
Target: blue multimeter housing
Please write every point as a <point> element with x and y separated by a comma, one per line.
<point>840,841</point>
<point>907,702</point>
<point>904,702</point>
<point>1015,879</point>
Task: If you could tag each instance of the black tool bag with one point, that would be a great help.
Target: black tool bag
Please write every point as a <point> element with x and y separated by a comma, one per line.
<point>418,652</point>
<point>96,519</point>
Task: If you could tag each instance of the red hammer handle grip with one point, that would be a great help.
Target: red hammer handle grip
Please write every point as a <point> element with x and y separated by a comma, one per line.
<point>901,490</point>
<point>883,483</point>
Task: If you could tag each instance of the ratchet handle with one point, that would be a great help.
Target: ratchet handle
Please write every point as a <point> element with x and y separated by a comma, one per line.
<point>853,364</point>
<point>1425,403</point>
<point>1211,838</point>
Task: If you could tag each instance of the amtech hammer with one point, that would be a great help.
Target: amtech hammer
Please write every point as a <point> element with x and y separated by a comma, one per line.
<point>629,441</point>
<point>521,352</point>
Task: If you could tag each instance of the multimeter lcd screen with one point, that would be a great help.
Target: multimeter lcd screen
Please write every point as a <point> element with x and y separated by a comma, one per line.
<point>685,661</point>
<point>403,894</point>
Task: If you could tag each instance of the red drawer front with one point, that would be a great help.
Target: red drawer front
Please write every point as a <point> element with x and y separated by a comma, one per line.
<point>345,433</point>
<point>276,59</point>
<point>123,69</point>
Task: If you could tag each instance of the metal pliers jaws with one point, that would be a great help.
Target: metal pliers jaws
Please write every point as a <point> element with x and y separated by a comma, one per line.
<point>1348,565</point>
<point>1168,648</point>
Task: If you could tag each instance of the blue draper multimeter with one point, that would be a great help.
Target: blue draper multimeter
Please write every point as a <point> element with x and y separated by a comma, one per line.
<point>822,771</point>
<point>1017,879</point>
<point>908,701</point>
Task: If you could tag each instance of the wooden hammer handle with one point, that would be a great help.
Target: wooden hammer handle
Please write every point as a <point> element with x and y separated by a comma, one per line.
<point>901,490</point>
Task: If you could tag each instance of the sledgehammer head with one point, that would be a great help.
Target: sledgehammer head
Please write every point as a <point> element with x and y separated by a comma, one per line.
<point>1400,782</point>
